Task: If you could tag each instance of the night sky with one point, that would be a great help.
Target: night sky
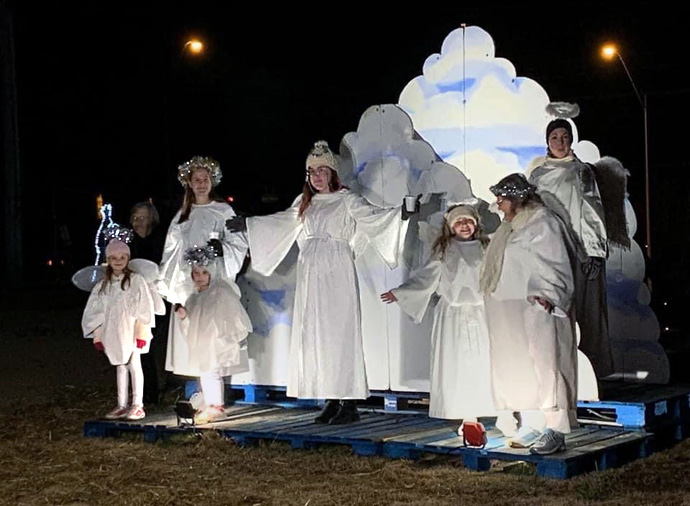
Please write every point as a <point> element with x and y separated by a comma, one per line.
<point>108,101</point>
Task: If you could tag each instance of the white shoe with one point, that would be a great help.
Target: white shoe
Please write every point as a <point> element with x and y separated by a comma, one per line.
<point>135,413</point>
<point>550,441</point>
<point>525,437</point>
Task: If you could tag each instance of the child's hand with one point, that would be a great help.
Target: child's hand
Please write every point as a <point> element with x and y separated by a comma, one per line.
<point>388,297</point>
<point>141,343</point>
<point>181,312</point>
<point>99,345</point>
<point>548,307</point>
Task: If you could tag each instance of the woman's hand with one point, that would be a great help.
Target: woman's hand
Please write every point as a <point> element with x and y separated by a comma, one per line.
<point>98,345</point>
<point>236,224</point>
<point>417,205</point>
<point>544,303</point>
<point>217,246</point>
<point>181,312</point>
<point>389,297</point>
<point>141,343</point>
<point>592,267</point>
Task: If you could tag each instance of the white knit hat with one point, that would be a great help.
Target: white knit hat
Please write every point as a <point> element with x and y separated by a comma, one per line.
<point>461,212</point>
<point>321,156</point>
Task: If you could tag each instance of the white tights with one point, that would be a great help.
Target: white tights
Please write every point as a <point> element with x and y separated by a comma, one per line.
<point>212,387</point>
<point>536,419</point>
<point>124,371</point>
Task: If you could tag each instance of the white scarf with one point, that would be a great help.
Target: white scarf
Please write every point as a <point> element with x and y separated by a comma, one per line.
<point>492,266</point>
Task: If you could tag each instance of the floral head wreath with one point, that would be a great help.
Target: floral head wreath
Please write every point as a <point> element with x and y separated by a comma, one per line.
<point>196,255</point>
<point>184,171</point>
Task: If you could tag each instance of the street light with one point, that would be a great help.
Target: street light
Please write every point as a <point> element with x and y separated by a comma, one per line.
<point>608,52</point>
<point>194,46</point>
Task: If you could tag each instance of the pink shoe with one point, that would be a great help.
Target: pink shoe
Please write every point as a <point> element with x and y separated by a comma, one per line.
<point>135,413</point>
<point>117,413</point>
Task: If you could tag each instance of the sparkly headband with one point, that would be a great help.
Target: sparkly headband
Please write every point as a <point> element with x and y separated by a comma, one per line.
<point>184,171</point>
<point>196,255</point>
<point>514,185</point>
<point>115,231</point>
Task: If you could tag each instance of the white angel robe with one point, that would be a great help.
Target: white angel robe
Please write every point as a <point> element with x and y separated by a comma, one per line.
<point>215,325</point>
<point>568,187</point>
<point>533,352</point>
<point>115,311</point>
<point>326,353</point>
<point>176,283</point>
<point>460,367</point>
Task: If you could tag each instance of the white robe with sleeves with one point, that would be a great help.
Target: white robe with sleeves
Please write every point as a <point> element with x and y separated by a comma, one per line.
<point>326,354</point>
<point>176,283</point>
<point>112,315</point>
<point>460,368</point>
<point>533,352</point>
<point>215,325</point>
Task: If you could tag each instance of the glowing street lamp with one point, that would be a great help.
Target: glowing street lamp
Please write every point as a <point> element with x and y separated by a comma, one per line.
<point>194,46</point>
<point>609,52</point>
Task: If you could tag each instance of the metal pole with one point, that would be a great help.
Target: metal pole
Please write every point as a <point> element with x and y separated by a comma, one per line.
<point>646,182</point>
<point>643,103</point>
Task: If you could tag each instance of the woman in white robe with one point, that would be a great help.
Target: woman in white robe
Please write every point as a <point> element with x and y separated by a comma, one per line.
<point>326,350</point>
<point>199,222</point>
<point>118,317</point>
<point>569,188</point>
<point>460,368</point>
<point>214,324</point>
<point>528,285</point>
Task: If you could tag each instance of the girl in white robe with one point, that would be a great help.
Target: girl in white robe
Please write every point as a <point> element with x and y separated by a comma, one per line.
<point>527,280</point>
<point>214,324</point>
<point>199,222</point>
<point>460,369</point>
<point>326,350</point>
<point>118,317</point>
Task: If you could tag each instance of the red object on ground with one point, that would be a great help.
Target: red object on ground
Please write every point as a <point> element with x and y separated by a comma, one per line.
<point>474,434</point>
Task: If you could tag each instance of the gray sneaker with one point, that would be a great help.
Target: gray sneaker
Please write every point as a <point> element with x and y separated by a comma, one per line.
<point>549,442</point>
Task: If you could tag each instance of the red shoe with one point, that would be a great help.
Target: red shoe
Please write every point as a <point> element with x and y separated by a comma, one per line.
<point>135,413</point>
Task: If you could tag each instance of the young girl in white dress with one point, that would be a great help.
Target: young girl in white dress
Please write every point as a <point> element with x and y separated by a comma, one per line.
<point>199,222</point>
<point>118,317</point>
<point>214,324</point>
<point>460,368</point>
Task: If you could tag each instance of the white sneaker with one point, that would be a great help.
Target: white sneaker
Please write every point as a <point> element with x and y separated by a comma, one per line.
<point>525,437</point>
<point>550,441</point>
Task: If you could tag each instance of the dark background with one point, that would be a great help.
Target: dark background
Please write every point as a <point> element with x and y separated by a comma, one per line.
<point>108,102</point>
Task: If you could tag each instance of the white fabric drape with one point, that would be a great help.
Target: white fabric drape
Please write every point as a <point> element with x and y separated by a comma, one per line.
<point>326,355</point>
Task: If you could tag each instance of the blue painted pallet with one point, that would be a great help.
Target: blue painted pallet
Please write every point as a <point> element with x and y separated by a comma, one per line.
<point>587,449</point>
<point>661,409</point>
<point>392,435</point>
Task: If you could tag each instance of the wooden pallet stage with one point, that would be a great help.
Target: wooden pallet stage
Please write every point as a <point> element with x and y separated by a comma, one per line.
<point>392,435</point>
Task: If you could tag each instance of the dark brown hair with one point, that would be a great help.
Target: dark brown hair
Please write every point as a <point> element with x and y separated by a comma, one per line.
<point>126,281</point>
<point>308,190</point>
<point>189,198</point>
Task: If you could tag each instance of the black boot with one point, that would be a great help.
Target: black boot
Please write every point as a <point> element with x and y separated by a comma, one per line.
<point>331,409</point>
<point>346,414</point>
